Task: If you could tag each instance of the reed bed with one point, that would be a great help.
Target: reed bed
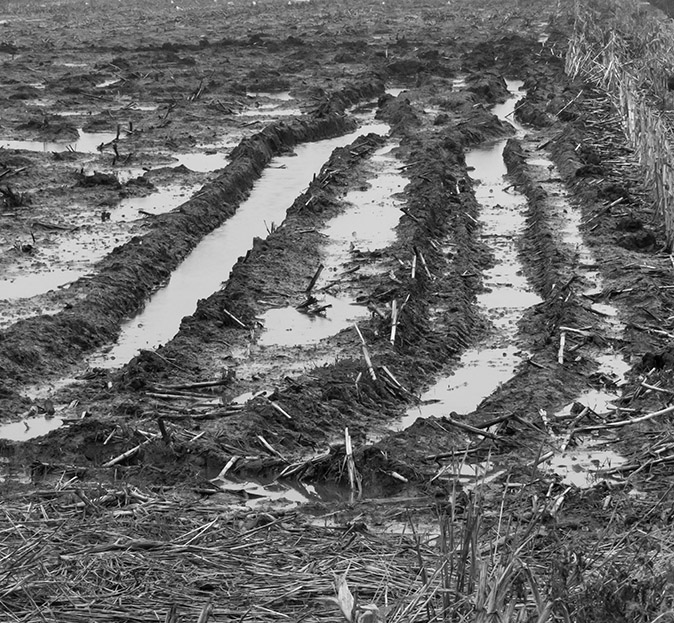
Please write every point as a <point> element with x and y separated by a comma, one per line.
<point>141,559</point>
<point>69,555</point>
<point>122,555</point>
<point>628,52</point>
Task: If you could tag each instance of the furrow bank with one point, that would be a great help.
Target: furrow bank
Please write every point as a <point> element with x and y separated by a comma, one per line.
<point>628,240</point>
<point>438,318</point>
<point>435,326</point>
<point>544,384</point>
<point>228,445</point>
<point>205,269</point>
<point>94,307</point>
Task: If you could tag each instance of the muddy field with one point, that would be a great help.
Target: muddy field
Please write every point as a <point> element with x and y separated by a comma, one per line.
<point>298,292</point>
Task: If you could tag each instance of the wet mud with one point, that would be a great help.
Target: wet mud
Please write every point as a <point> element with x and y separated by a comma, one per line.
<point>236,261</point>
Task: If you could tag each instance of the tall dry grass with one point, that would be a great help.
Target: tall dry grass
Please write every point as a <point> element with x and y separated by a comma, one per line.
<point>623,48</point>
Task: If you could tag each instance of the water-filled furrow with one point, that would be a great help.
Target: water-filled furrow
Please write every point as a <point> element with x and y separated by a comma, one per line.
<point>493,361</point>
<point>99,239</point>
<point>507,295</point>
<point>210,263</point>
<point>76,251</point>
<point>87,143</point>
<point>368,224</point>
<point>581,463</point>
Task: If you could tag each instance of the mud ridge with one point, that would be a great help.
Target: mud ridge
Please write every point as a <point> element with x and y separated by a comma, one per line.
<point>453,220</point>
<point>320,403</point>
<point>441,212</point>
<point>539,253</point>
<point>96,305</point>
<point>550,265</point>
<point>611,199</point>
<point>292,252</point>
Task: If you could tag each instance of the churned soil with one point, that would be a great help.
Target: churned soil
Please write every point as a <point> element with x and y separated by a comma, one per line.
<point>155,81</point>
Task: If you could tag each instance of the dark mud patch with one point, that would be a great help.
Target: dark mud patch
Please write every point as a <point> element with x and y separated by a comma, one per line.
<point>95,307</point>
<point>173,419</point>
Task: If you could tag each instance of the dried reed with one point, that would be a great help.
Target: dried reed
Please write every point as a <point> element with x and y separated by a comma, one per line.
<point>628,52</point>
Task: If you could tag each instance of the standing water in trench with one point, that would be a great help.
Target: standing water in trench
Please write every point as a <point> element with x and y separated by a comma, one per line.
<point>508,293</point>
<point>584,463</point>
<point>88,143</point>
<point>30,427</point>
<point>495,359</point>
<point>368,223</point>
<point>210,263</point>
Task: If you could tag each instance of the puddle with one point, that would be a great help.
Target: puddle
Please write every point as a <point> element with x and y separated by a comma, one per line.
<point>490,367</point>
<point>289,327</point>
<point>76,250</point>
<point>203,162</point>
<point>260,492</point>
<point>255,495</point>
<point>368,224</point>
<point>283,96</point>
<point>582,466</point>
<point>30,285</point>
<point>163,200</point>
<point>205,158</point>
<point>599,401</point>
<point>209,265</point>
<point>614,365</point>
<point>29,428</point>
<point>107,83</point>
<point>507,292</point>
<point>87,143</point>
<point>269,110</point>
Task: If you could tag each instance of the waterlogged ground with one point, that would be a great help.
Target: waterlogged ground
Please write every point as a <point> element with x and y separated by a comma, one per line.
<point>247,245</point>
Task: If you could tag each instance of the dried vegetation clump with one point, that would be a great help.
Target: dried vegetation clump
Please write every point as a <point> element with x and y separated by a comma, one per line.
<point>627,51</point>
